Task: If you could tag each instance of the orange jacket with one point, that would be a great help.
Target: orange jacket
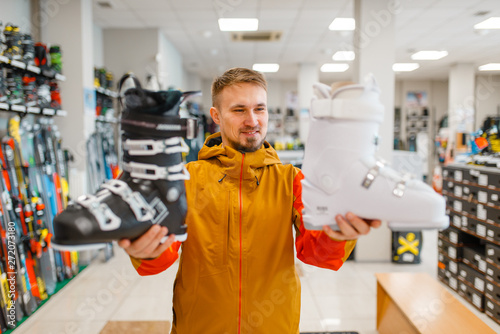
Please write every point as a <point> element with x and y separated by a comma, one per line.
<point>237,272</point>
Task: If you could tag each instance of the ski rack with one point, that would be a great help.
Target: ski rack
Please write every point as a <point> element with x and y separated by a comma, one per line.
<point>22,109</point>
<point>50,73</point>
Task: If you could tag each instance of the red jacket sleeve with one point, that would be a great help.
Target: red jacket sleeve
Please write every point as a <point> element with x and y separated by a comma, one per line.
<point>159,264</point>
<point>315,247</point>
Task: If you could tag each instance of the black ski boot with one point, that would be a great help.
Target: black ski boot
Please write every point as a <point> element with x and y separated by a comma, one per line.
<point>151,188</point>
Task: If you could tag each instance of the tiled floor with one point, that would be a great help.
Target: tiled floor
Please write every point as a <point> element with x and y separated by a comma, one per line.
<point>342,301</point>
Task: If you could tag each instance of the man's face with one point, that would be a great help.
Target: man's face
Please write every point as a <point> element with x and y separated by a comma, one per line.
<point>242,116</point>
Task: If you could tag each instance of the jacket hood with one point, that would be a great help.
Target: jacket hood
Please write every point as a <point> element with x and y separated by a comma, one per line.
<point>233,161</point>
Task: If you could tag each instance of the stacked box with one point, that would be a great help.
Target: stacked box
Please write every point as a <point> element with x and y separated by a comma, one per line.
<point>449,279</point>
<point>475,258</point>
<point>471,277</point>
<point>493,254</point>
<point>469,251</point>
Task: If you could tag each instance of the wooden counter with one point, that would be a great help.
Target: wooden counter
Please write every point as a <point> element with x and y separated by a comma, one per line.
<point>416,303</point>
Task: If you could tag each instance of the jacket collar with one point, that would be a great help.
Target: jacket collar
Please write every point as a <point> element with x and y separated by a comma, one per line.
<point>231,159</point>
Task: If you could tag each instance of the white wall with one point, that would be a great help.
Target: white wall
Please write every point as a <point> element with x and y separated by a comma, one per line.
<point>133,50</point>
<point>17,12</point>
<point>170,66</point>
<point>98,46</point>
<point>487,98</point>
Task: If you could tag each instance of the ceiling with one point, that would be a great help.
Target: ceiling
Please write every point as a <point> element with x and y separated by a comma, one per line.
<point>191,25</point>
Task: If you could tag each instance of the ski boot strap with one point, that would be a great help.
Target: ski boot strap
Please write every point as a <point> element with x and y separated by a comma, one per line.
<point>159,126</point>
<point>155,211</point>
<point>148,147</point>
<point>154,172</point>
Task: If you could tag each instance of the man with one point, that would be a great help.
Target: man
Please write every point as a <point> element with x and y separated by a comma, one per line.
<point>236,272</point>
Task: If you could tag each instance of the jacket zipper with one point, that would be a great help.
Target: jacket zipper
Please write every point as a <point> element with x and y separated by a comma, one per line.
<point>241,246</point>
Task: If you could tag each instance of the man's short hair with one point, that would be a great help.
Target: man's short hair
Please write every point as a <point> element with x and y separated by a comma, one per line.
<point>235,76</point>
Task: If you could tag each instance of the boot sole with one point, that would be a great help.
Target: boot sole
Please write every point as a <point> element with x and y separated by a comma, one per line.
<point>396,226</point>
<point>85,247</point>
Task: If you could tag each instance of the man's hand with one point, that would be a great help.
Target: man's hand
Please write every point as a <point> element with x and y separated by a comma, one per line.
<point>148,245</point>
<point>351,227</point>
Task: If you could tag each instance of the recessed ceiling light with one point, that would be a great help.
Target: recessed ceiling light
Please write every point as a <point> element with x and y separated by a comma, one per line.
<point>491,23</point>
<point>343,23</point>
<point>238,24</point>
<point>333,67</point>
<point>490,67</point>
<point>405,67</point>
<point>429,55</point>
<point>266,67</point>
<point>344,55</point>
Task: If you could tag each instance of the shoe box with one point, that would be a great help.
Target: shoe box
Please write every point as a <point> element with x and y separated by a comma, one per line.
<point>445,263</point>
<point>483,176</point>
<point>493,254</point>
<point>448,278</point>
<point>471,277</point>
<point>492,309</point>
<point>483,230</point>
<point>470,294</point>
<point>475,258</point>
<point>493,272</point>
<point>452,242</point>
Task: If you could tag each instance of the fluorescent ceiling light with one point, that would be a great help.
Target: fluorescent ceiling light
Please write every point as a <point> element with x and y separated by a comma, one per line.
<point>342,23</point>
<point>344,55</point>
<point>238,24</point>
<point>429,55</point>
<point>330,67</point>
<point>491,23</point>
<point>490,67</point>
<point>266,67</point>
<point>405,67</point>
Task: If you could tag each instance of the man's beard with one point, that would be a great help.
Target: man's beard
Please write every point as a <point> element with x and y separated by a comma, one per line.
<point>253,143</point>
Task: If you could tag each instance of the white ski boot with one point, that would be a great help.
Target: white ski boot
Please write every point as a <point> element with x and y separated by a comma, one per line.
<point>343,175</point>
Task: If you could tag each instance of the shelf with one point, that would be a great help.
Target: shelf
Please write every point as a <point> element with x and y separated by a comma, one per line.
<point>49,73</point>
<point>32,110</point>
<point>106,92</point>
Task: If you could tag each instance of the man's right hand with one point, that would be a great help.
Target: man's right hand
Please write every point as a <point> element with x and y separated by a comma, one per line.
<point>148,245</point>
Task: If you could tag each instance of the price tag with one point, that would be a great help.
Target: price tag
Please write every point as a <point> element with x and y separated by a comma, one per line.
<point>481,230</point>
<point>494,197</point>
<point>457,206</point>
<point>453,283</point>
<point>457,221</point>
<point>457,191</point>
<point>452,252</point>
<point>479,284</point>
<point>482,196</point>
<point>483,180</point>
<point>489,286</point>
<point>463,273</point>
<point>34,69</point>
<point>481,212</point>
<point>490,233</point>
<point>34,110</point>
<point>62,113</point>
<point>19,64</point>
<point>482,265</point>
<point>60,77</point>
<point>476,300</point>
<point>16,107</point>
<point>454,237</point>
<point>453,267</point>
<point>458,176</point>
<point>49,112</point>
<point>465,222</point>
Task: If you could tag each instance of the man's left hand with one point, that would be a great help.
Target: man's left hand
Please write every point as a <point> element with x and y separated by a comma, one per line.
<point>351,227</point>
